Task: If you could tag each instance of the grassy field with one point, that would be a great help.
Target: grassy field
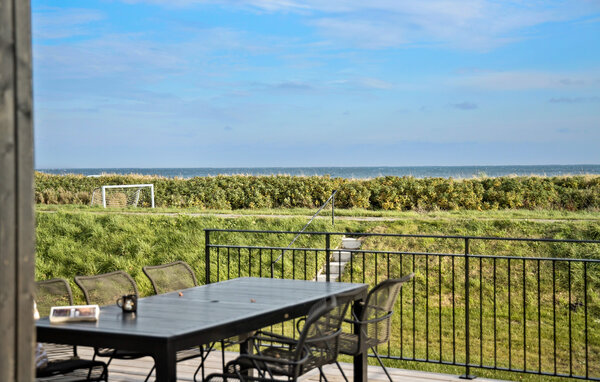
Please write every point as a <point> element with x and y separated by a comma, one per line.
<point>74,240</point>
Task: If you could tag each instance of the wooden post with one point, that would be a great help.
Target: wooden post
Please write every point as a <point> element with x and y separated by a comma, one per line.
<point>17,262</point>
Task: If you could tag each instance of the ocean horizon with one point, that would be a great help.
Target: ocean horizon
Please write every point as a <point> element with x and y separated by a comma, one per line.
<point>366,172</point>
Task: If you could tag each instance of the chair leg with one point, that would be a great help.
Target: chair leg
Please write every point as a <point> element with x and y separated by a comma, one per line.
<point>382,365</point>
<point>203,357</point>
<point>150,373</point>
<point>322,375</point>
<point>341,371</point>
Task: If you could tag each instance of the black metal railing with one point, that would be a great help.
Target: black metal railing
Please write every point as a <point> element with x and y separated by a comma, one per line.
<point>511,304</point>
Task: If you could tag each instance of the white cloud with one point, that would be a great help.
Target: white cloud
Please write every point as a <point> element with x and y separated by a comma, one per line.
<point>526,80</point>
<point>55,23</point>
<point>376,24</point>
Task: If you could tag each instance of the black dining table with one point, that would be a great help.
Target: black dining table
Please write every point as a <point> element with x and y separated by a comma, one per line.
<point>166,323</point>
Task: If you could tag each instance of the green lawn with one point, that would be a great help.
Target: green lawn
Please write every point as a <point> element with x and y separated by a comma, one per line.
<point>74,240</point>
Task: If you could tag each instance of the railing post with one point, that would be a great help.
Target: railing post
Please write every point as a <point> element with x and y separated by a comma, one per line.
<point>207,255</point>
<point>467,374</point>
<point>327,256</point>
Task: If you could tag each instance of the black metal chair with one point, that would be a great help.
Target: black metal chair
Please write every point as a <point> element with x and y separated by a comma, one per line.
<point>171,277</point>
<point>375,321</point>
<point>278,356</point>
<point>179,275</point>
<point>105,289</point>
<point>63,359</point>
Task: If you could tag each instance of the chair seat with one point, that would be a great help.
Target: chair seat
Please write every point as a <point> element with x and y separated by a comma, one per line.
<point>189,353</point>
<point>349,343</point>
<point>284,354</point>
<point>77,369</point>
<point>120,354</point>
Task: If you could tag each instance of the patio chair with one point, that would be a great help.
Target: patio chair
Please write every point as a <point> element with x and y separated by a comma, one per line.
<point>169,278</point>
<point>105,289</point>
<point>278,356</point>
<point>375,321</point>
<point>63,359</point>
<point>178,275</point>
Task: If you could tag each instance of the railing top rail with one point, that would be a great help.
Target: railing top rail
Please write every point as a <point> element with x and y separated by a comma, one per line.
<point>410,253</point>
<point>366,234</point>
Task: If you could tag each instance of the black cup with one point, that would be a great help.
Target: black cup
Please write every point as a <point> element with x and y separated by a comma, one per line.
<point>128,303</point>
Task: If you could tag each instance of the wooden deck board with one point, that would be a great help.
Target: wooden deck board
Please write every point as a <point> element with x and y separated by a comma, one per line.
<point>136,370</point>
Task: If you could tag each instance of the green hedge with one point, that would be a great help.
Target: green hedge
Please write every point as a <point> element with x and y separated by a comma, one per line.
<point>384,193</point>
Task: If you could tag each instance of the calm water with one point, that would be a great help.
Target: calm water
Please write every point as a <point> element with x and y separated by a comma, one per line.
<point>347,172</point>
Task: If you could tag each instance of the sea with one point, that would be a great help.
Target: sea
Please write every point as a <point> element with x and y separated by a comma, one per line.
<point>456,172</point>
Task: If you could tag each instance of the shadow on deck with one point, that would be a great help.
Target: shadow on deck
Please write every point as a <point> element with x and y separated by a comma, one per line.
<point>136,370</point>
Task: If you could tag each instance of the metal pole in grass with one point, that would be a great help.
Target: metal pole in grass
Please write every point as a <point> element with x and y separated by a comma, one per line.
<point>467,331</point>
<point>306,226</point>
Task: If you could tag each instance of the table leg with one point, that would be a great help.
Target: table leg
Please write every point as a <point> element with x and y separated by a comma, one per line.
<point>360,360</point>
<point>166,365</point>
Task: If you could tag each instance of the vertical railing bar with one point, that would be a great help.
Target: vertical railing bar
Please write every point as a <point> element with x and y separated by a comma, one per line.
<point>509,319</point>
<point>294,264</point>
<point>249,262</point>
<point>453,316</point>
<point>363,265</point>
<point>414,323</point>
<point>495,321</point>
<point>260,270</point>
<point>271,260</point>
<point>228,263</point>
<point>480,313</point>
<point>239,262</point>
<point>585,317</point>
<point>327,259</point>
<point>570,324</point>
<point>427,308</point>
<point>467,374</point>
<point>316,262</point>
<point>524,317</point>
<point>218,264</point>
<point>305,265</point>
<point>282,270</point>
<point>440,303</point>
<point>388,276</point>
<point>351,267</point>
<point>206,255</point>
<point>539,318</point>
<point>554,310</point>
<point>401,310</point>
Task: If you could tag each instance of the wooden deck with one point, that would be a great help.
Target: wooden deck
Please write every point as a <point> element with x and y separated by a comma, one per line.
<point>136,370</point>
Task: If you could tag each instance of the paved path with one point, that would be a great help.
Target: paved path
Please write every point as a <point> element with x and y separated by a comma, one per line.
<point>349,218</point>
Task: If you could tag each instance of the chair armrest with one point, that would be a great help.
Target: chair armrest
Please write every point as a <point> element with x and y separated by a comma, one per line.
<point>371,321</point>
<point>263,358</point>
<point>274,337</point>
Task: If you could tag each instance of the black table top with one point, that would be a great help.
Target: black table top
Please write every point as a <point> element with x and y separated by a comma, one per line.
<point>200,315</point>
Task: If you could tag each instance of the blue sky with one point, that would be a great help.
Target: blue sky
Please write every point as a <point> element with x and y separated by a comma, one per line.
<point>200,83</point>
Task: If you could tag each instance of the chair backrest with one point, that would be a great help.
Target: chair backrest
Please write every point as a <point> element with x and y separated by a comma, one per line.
<point>106,288</point>
<point>49,293</point>
<point>320,335</point>
<point>378,309</point>
<point>54,292</point>
<point>170,277</point>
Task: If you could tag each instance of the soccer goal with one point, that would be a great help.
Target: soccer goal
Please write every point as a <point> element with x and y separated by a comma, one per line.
<point>135,195</point>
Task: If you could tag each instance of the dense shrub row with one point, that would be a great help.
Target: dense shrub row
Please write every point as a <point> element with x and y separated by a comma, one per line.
<point>387,193</point>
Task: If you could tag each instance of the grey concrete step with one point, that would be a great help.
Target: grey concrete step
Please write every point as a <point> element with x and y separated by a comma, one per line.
<point>341,256</point>
<point>350,243</point>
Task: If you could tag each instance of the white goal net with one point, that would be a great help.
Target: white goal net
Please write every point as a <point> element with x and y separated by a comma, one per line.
<point>135,195</point>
